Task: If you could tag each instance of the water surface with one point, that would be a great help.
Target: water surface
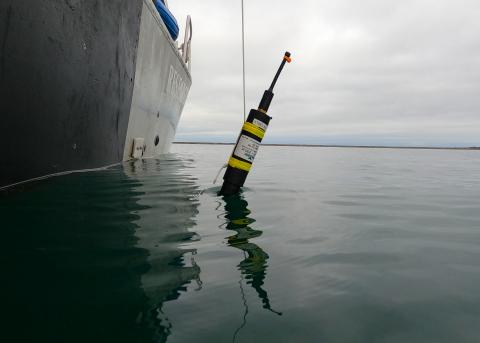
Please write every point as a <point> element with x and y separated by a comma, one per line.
<point>323,245</point>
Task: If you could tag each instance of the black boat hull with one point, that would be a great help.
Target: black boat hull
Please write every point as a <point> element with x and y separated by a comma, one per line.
<point>67,71</point>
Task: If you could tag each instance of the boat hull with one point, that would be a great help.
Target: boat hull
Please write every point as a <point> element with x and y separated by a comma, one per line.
<point>162,82</point>
<point>67,81</point>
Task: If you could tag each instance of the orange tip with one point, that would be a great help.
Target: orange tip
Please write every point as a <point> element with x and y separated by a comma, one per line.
<point>288,59</point>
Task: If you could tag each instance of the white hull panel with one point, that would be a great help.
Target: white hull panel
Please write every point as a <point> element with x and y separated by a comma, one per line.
<point>162,82</point>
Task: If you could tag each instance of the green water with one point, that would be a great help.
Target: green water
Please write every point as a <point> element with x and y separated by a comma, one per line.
<point>324,245</point>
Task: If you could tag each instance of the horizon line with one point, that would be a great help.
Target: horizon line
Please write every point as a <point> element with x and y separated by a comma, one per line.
<point>341,146</point>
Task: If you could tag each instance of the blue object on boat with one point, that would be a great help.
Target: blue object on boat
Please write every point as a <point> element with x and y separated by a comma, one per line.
<point>168,18</point>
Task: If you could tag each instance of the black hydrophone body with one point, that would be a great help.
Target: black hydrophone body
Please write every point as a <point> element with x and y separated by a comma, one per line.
<point>234,178</point>
<point>249,140</point>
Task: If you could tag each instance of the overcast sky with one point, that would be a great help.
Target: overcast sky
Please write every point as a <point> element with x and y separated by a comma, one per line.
<point>377,72</point>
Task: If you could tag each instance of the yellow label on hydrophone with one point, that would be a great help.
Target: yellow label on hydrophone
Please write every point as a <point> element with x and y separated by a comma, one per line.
<point>260,124</point>
<point>253,129</point>
<point>234,163</point>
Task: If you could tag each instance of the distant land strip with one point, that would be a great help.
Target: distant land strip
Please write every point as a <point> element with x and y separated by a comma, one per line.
<point>346,146</point>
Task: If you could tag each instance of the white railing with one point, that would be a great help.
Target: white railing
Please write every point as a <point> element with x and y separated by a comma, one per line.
<point>186,46</point>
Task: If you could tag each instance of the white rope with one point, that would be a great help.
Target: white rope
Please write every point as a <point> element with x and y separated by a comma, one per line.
<point>243,61</point>
<point>218,174</point>
<point>243,73</point>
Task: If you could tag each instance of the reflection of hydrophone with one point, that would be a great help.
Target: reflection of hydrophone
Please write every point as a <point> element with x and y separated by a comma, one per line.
<point>249,140</point>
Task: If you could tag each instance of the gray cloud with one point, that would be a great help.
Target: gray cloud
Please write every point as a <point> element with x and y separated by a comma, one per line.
<point>364,72</point>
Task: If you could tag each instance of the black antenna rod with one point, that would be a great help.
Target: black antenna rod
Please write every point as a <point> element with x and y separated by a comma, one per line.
<point>286,58</point>
<point>268,94</point>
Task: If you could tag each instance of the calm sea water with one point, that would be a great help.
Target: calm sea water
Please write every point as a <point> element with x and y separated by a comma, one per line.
<point>323,245</point>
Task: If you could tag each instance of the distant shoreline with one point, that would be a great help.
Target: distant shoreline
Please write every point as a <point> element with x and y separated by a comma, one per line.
<point>345,146</point>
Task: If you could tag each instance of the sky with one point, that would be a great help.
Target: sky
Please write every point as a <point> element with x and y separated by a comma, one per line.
<point>370,72</point>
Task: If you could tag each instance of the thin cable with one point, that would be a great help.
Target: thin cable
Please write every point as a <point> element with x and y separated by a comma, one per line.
<point>245,305</point>
<point>218,174</point>
<point>243,61</point>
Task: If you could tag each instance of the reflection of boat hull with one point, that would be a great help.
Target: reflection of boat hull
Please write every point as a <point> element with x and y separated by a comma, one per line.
<point>103,267</point>
<point>171,264</point>
<point>79,80</point>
